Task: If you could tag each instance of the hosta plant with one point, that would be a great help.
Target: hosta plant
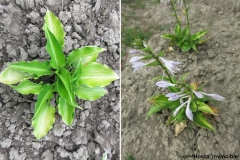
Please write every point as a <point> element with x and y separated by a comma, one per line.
<point>186,101</point>
<point>72,75</point>
<point>183,38</point>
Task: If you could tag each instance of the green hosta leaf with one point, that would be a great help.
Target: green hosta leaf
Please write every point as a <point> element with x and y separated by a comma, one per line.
<point>104,156</point>
<point>186,46</point>
<point>198,35</point>
<point>146,57</point>
<point>201,107</point>
<point>12,76</point>
<point>84,52</point>
<point>89,59</point>
<point>179,117</point>
<point>54,49</point>
<point>194,47</point>
<point>28,87</point>
<point>96,74</point>
<point>154,109</point>
<point>64,87</point>
<point>154,63</point>
<point>43,121</point>
<point>178,30</point>
<point>200,120</point>
<point>54,26</point>
<point>44,96</point>
<point>66,111</point>
<point>86,93</point>
<point>161,100</point>
<point>168,36</point>
<point>33,67</point>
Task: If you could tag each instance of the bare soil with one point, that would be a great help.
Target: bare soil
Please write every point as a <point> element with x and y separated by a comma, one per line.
<point>96,127</point>
<point>216,64</point>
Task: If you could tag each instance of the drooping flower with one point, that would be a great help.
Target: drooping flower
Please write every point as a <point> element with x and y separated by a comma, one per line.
<point>164,84</point>
<point>137,65</point>
<point>135,51</point>
<point>175,96</point>
<point>188,110</point>
<point>171,65</point>
<point>135,58</point>
<point>214,96</point>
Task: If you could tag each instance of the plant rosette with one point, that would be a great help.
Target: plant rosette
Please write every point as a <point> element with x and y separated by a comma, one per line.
<point>187,102</point>
<point>183,38</point>
<point>76,75</point>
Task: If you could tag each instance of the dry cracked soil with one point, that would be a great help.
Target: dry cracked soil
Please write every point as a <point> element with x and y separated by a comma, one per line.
<point>216,64</point>
<point>96,128</point>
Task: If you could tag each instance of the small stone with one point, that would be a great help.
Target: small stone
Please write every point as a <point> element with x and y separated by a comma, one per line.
<point>211,53</point>
<point>111,37</point>
<point>63,153</point>
<point>106,124</point>
<point>14,155</point>
<point>64,16</point>
<point>58,130</point>
<point>6,143</point>
<point>12,128</point>
<point>34,16</point>
<point>87,104</point>
<point>112,48</point>
<point>79,135</point>
<point>7,123</point>
<point>36,145</point>
<point>33,50</point>
<point>217,119</point>
<point>81,153</point>
<point>23,54</point>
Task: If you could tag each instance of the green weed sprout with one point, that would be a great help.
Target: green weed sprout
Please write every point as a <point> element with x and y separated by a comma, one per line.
<point>183,38</point>
<point>186,101</point>
<point>75,75</point>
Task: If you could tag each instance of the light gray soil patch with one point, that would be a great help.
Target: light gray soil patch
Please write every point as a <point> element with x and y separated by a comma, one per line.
<point>96,127</point>
<point>216,64</point>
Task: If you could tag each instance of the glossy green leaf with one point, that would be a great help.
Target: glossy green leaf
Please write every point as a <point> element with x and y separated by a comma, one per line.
<point>12,76</point>
<point>154,63</point>
<point>33,67</point>
<point>87,93</point>
<point>43,121</point>
<point>154,109</point>
<point>28,87</point>
<point>64,86</point>
<point>84,52</point>
<point>194,47</point>
<point>96,74</point>
<point>54,26</point>
<point>104,156</point>
<point>200,120</point>
<point>66,111</point>
<point>178,30</point>
<point>44,96</point>
<point>161,100</point>
<point>146,57</point>
<point>198,34</point>
<point>186,46</point>
<point>54,49</point>
<point>179,117</point>
<point>168,36</point>
<point>201,107</point>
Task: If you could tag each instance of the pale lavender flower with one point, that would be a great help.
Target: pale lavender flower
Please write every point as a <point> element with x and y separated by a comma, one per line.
<point>176,97</point>
<point>164,84</point>
<point>137,65</point>
<point>171,65</point>
<point>214,96</point>
<point>198,94</point>
<point>135,58</point>
<point>188,110</point>
<point>134,51</point>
